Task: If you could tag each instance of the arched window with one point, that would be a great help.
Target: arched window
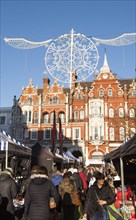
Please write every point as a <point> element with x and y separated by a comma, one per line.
<point>55,100</point>
<point>101,92</point>
<point>76,116</point>
<point>30,101</point>
<point>132,131</point>
<point>109,92</point>
<point>112,134</point>
<point>79,96</point>
<point>45,118</point>
<point>97,155</point>
<point>122,133</point>
<point>35,117</point>
<point>51,117</point>
<point>62,117</point>
<point>121,112</point>
<point>82,114</point>
<point>134,93</point>
<point>111,112</point>
<point>132,112</point>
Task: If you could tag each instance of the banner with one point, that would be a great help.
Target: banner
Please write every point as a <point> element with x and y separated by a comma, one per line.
<point>60,137</point>
<point>53,132</point>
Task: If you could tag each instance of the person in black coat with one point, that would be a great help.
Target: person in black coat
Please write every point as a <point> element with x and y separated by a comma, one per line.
<point>37,196</point>
<point>98,197</point>
<point>8,192</point>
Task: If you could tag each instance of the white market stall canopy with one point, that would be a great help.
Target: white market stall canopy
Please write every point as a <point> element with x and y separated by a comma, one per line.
<point>12,146</point>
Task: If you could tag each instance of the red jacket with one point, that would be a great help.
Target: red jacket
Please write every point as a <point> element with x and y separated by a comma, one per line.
<point>84,180</point>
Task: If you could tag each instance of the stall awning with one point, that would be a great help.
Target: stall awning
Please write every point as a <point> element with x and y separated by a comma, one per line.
<point>13,146</point>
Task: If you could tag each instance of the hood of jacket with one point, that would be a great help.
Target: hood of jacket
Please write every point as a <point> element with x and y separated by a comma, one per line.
<point>38,179</point>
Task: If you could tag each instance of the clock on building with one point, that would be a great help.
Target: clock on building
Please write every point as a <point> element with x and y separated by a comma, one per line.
<point>105,76</point>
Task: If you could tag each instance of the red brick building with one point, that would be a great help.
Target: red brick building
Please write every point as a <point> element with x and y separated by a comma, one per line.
<point>96,116</point>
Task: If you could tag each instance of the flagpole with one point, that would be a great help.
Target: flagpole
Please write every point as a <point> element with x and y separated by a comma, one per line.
<point>6,162</point>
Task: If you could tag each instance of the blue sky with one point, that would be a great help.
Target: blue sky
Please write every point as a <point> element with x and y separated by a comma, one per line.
<point>42,20</point>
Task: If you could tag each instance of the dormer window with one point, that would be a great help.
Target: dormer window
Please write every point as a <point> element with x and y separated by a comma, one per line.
<point>134,93</point>
<point>55,100</point>
<point>79,96</point>
<point>30,101</point>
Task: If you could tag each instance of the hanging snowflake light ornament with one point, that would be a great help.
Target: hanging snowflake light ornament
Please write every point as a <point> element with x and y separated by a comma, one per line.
<point>72,52</point>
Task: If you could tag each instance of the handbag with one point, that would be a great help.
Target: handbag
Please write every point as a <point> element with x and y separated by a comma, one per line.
<point>52,203</point>
<point>114,214</point>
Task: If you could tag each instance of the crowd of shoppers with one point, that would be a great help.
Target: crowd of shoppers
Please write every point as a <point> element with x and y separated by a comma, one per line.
<point>78,193</point>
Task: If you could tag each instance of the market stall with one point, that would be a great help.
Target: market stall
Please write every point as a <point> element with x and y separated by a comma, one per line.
<point>124,160</point>
<point>13,153</point>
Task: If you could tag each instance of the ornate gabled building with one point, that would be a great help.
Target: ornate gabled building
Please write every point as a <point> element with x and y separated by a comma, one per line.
<point>96,116</point>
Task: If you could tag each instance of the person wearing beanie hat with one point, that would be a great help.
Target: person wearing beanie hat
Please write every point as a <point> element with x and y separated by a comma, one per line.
<point>8,191</point>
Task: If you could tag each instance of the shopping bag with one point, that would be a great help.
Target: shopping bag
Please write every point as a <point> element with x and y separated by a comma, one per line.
<point>114,214</point>
<point>125,211</point>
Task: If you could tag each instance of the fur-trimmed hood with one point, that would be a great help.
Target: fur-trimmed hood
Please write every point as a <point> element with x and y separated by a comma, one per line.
<point>38,179</point>
<point>35,175</point>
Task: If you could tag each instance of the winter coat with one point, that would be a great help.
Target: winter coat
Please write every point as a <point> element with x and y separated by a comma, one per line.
<point>37,198</point>
<point>84,180</point>
<point>8,191</point>
<point>77,180</point>
<point>104,193</point>
<point>67,186</point>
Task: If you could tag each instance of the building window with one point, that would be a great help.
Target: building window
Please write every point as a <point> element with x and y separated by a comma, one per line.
<point>112,134</point>
<point>109,92</point>
<point>101,92</point>
<point>28,116</point>
<point>79,96</point>
<point>2,120</point>
<point>76,133</point>
<point>30,101</point>
<point>122,133</point>
<point>47,134</point>
<point>55,100</point>
<point>134,93</point>
<point>35,117</point>
<point>45,118</point>
<point>121,112</point>
<point>34,134</point>
<point>97,155</point>
<point>96,111</point>
<point>63,137</point>
<point>62,117</point>
<point>132,112</point>
<point>132,131</point>
<point>82,114</point>
<point>111,112</point>
<point>51,117</point>
<point>76,115</point>
<point>96,133</point>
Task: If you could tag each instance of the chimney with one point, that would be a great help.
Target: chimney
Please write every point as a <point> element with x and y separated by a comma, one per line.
<point>46,83</point>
